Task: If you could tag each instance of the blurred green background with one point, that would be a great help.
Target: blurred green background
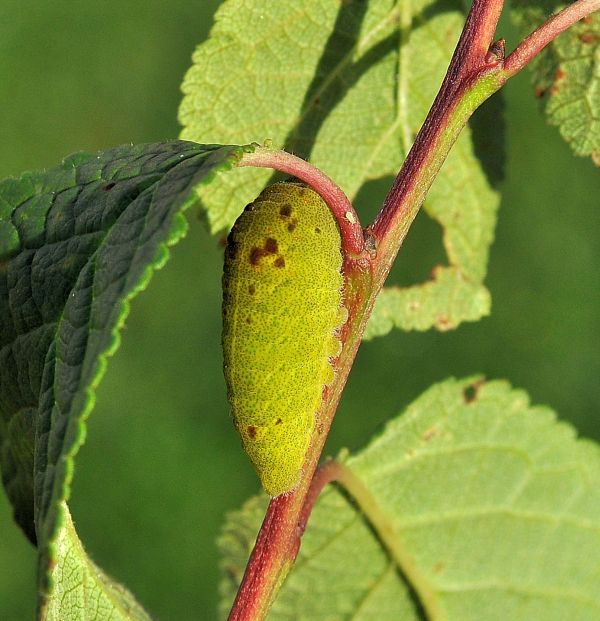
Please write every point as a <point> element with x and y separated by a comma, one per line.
<point>162,464</point>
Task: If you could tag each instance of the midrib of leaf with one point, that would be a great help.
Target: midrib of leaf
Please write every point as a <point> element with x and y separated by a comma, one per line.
<point>406,19</point>
<point>428,593</point>
<point>388,535</point>
<point>401,122</point>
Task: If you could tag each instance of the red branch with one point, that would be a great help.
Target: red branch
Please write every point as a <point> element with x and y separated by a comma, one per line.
<point>250,601</point>
<point>327,473</point>
<point>469,57</point>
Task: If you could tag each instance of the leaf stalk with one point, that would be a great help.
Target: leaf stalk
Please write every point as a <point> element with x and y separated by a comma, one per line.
<point>342,209</point>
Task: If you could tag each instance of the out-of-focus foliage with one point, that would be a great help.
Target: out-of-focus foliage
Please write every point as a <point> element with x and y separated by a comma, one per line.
<point>566,75</point>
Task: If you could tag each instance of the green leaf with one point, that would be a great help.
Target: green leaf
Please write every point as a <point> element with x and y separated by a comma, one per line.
<point>80,589</point>
<point>493,510</point>
<point>77,243</point>
<point>566,75</point>
<point>418,307</point>
<point>342,85</point>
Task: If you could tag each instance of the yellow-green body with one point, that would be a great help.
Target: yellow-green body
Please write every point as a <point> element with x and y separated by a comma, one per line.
<point>282,306</point>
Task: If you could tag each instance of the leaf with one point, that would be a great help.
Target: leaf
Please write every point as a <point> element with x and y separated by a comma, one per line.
<point>566,75</point>
<point>418,308</point>
<point>493,503</point>
<point>77,242</point>
<point>341,84</point>
<point>80,590</point>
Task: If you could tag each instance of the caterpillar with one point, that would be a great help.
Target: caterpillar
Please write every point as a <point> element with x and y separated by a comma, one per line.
<point>282,308</point>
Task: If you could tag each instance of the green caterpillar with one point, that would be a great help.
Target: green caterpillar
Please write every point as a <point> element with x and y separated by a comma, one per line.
<point>282,307</point>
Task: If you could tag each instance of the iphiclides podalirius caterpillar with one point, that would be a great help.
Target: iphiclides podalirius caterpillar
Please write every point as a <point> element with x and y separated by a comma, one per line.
<point>282,309</point>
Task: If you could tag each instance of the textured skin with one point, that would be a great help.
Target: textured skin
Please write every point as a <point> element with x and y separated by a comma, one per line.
<point>282,306</point>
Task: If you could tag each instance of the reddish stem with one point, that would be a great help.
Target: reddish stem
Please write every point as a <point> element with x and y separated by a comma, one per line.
<point>326,473</point>
<point>546,33</point>
<point>272,538</point>
<point>332,194</point>
<point>468,59</point>
<point>247,605</point>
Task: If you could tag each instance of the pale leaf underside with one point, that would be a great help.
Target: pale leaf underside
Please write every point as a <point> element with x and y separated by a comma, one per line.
<point>495,503</point>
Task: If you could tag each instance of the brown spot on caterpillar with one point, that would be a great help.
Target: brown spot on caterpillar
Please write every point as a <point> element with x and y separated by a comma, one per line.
<point>292,225</point>
<point>256,254</point>
<point>251,429</point>
<point>251,289</point>
<point>248,320</point>
<point>270,247</point>
<point>279,262</point>
<point>285,211</point>
<point>317,230</point>
<point>278,421</point>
